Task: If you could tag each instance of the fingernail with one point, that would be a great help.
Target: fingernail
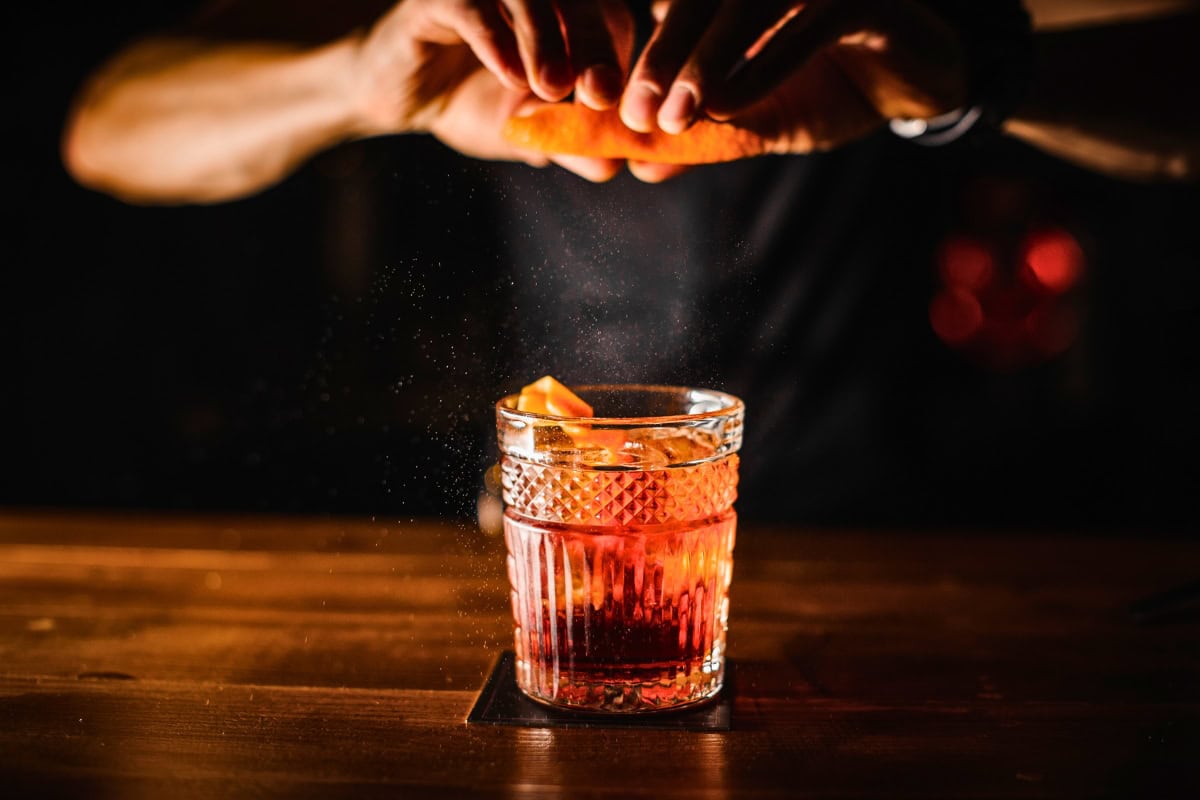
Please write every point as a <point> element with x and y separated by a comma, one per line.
<point>602,84</point>
<point>639,106</point>
<point>556,80</point>
<point>677,112</point>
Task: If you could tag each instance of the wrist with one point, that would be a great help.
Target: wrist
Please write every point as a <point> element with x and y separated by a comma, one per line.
<point>382,83</point>
<point>329,76</point>
<point>939,130</point>
<point>997,41</point>
<point>367,111</point>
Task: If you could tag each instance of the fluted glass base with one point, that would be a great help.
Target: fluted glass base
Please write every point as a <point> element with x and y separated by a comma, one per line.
<point>620,619</point>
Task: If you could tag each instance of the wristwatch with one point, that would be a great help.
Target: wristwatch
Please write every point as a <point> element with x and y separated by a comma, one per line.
<point>939,130</point>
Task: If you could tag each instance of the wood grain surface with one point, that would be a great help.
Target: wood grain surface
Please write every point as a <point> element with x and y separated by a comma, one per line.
<point>153,656</point>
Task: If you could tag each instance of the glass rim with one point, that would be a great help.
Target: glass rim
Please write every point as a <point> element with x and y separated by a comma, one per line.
<point>732,405</point>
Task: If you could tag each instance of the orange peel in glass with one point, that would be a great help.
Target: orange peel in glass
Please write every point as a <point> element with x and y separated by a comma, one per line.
<point>547,396</point>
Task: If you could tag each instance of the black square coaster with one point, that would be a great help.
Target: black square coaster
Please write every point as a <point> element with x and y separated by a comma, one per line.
<point>502,703</point>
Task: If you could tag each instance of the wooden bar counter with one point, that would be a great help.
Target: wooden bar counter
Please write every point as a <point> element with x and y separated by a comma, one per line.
<point>169,656</point>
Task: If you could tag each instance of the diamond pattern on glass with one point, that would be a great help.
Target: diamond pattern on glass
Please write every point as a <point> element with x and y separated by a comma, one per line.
<point>619,497</point>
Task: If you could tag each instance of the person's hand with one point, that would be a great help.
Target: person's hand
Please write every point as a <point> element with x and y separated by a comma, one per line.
<point>460,68</point>
<point>805,75</point>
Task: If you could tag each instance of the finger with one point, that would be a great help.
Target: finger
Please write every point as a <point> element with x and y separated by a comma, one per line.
<point>596,170</point>
<point>540,43</point>
<point>472,118</point>
<point>651,172</point>
<point>533,158</point>
<point>598,80</point>
<point>906,60</point>
<point>483,28</point>
<point>665,53</point>
<point>818,107</point>
<point>788,51</point>
<point>621,30</point>
<point>736,31</point>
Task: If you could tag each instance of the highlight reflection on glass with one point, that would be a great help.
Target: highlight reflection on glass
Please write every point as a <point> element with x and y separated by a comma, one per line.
<point>620,532</point>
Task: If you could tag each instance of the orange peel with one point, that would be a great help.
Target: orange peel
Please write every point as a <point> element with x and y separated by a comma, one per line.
<point>547,396</point>
<point>574,129</point>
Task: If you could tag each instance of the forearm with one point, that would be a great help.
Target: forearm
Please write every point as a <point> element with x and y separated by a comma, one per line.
<point>176,120</point>
<point>1118,99</point>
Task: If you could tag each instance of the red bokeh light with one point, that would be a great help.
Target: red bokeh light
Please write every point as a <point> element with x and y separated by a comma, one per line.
<point>955,315</point>
<point>1003,314</point>
<point>965,263</point>
<point>1051,329</point>
<point>1054,260</point>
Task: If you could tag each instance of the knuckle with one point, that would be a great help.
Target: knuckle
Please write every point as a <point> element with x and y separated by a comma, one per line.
<point>657,70</point>
<point>696,76</point>
<point>460,8</point>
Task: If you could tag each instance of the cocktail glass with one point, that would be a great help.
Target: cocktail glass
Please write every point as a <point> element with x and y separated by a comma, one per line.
<point>620,532</point>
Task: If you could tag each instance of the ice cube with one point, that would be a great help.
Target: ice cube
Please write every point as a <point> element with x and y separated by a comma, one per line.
<point>551,438</point>
<point>599,446</point>
<point>643,454</point>
<point>660,446</point>
<point>581,444</point>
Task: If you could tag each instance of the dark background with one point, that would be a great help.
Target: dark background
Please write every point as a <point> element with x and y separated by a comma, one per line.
<point>334,344</point>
